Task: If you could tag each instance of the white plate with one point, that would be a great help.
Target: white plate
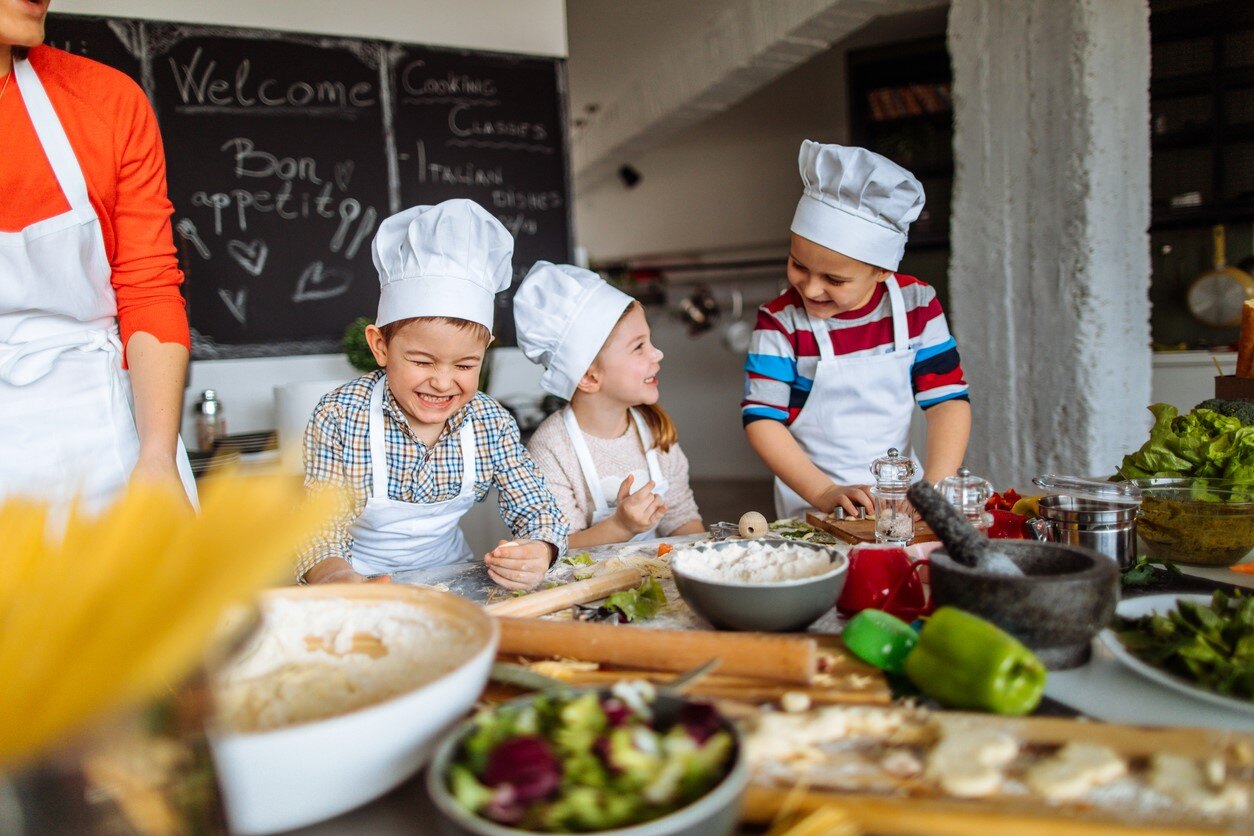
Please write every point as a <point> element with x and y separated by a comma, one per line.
<point>1162,604</point>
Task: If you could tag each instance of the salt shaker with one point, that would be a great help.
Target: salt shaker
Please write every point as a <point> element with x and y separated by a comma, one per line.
<point>210,422</point>
<point>968,494</point>
<point>894,520</point>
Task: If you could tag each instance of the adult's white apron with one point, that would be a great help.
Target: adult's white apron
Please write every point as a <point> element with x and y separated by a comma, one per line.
<point>858,408</point>
<point>67,425</point>
<point>607,486</point>
<point>391,535</point>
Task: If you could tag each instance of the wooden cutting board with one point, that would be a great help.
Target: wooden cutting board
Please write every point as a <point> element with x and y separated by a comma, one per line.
<point>863,531</point>
<point>919,810</point>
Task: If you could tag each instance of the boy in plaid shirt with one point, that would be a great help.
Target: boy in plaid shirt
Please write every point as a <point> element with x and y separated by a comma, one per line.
<point>416,444</point>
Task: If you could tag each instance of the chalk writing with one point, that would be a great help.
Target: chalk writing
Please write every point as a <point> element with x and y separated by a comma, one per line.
<point>201,86</point>
<point>251,256</point>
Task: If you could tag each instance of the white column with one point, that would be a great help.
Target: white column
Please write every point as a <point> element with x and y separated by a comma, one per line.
<point>1050,269</point>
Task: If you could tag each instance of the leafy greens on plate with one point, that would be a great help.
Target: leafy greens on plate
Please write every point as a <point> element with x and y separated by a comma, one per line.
<point>1212,646</point>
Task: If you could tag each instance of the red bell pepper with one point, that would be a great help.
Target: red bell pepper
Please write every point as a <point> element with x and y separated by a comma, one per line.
<point>1007,526</point>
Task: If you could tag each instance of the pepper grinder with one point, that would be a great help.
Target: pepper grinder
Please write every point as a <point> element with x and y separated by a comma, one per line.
<point>210,422</point>
<point>894,519</point>
<point>968,494</point>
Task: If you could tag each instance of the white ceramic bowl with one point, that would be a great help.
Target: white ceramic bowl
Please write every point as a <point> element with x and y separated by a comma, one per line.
<point>297,775</point>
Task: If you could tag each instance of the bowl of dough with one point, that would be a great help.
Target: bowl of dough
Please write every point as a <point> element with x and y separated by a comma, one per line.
<point>762,584</point>
<point>339,695</point>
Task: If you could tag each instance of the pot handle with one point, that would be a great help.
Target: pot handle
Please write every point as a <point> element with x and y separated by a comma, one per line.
<point>1042,530</point>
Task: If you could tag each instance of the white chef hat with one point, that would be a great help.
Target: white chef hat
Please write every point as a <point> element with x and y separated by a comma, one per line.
<point>450,259</point>
<point>562,316</point>
<point>856,202</point>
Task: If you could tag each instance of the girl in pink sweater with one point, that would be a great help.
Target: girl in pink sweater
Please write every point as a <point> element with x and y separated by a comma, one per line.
<point>612,458</point>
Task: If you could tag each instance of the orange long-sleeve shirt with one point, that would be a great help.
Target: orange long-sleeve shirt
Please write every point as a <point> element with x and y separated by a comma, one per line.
<point>114,134</point>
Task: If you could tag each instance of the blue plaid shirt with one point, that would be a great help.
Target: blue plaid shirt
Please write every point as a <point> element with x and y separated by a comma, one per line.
<point>337,452</point>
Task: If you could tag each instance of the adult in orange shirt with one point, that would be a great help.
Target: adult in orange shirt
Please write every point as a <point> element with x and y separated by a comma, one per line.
<point>88,278</point>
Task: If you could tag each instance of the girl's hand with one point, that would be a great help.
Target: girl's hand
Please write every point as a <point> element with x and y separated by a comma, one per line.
<point>640,511</point>
<point>519,564</point>
<point>337,570</point>
<point>848,497</point>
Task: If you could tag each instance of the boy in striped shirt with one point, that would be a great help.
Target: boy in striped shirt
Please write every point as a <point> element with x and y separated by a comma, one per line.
<point>839,360</point>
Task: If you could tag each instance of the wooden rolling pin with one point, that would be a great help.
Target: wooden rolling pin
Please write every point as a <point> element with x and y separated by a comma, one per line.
<point>561,597</point>
<point>762,656</point>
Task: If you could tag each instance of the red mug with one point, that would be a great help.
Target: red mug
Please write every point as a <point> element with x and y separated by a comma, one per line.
<point>883,577</point>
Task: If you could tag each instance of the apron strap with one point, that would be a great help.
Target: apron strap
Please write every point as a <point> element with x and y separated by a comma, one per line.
<point>822,337</point>
<point>55,143</point>
<point>650,452</point>
<point>897,303</point>
<point>378,447</point>
<point>24,363</point>
<point>586,464</point>
<point>468,456</point>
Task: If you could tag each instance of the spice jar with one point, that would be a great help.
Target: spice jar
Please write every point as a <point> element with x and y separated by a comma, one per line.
<point>210,422</point>
<point>894,519</point>
<point>968,494</point>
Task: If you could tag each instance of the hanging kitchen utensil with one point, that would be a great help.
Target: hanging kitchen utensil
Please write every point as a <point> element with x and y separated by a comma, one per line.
<point>1215,297</point>
<point>699,311</point>
<point>739,332</point>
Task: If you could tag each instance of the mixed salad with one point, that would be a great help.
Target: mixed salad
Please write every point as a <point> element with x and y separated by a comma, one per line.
<point>579,762</point>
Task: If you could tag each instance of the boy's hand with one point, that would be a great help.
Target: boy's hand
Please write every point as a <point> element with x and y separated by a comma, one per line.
<point>519,564</point>
<point>338,570</point>
<point>848,497</point>
<point>640,511</point>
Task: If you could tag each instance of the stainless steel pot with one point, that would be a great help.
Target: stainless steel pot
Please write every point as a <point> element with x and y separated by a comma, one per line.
<point>1106,527</point>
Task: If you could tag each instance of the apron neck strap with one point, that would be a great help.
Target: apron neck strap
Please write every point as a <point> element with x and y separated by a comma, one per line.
<point>897,304</point>
<point>650,451</point>
<point>56,144</point>
<point>586,465</point>
<point>467,434</point>
<point>378,439</point>
<point>818,327</point>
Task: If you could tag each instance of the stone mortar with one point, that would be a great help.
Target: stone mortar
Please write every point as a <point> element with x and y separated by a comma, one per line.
<point>1067,595</point>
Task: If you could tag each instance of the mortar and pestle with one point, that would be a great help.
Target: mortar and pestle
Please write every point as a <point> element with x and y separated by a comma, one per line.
<point>1052,597</point>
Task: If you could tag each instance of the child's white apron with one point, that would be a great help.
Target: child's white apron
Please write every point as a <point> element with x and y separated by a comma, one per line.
<point>603,487</point>
<point>390,535</point>
<point>67,427</point>
<point>858,408</point>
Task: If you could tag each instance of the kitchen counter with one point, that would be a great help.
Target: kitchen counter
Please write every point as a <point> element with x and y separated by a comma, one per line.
<point>1101,689</point>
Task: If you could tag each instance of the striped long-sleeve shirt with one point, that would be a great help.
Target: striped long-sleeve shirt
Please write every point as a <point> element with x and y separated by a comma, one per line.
<point>337,452</point>
<point>784,355</point>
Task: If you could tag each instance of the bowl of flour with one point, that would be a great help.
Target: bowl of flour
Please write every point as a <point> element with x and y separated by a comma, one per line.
<point>339,696</point>
<point>762,585</point>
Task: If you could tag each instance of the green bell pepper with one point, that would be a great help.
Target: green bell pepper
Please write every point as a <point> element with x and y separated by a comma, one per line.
<point>965,662</point>
<point>880,639</point>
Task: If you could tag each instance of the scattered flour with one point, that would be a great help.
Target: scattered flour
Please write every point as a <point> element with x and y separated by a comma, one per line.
<point>755,561</point>
<point>306,662</point>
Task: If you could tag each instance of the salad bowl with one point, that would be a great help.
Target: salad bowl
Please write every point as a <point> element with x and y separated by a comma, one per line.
<point>451,782</point>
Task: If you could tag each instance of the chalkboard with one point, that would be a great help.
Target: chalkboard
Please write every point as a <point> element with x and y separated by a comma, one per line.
<point>285,151</point>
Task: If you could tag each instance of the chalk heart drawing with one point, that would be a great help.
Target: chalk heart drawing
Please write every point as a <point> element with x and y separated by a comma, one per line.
<point>251,256</point>
<point>236,303</point>
<point>321,282</point>
<point>344,174</point>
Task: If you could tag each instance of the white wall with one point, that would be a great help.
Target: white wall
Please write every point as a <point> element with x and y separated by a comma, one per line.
<point>246,387</point>
<point>730,181</point>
